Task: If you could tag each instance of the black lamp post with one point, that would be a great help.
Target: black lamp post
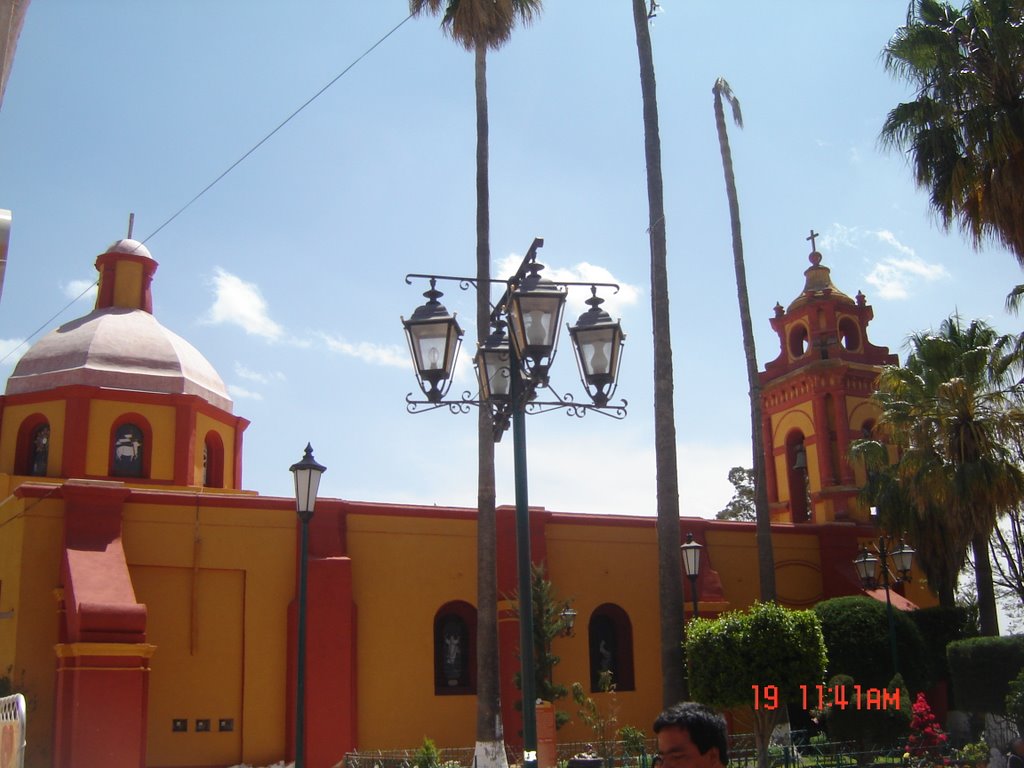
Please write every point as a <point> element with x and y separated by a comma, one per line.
<point>901,559</point>
<point>691,563</point>
<point>510,369</point>
<point>307,480</point>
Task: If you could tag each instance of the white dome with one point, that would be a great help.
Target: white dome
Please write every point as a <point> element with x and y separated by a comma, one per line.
<point>118,348</point>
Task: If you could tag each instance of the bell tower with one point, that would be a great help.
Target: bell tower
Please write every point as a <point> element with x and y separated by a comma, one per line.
<point>816,400</point>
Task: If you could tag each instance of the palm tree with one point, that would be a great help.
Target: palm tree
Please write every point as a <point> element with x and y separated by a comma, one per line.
<point>954,413</point>
<point>478,25</point>
<point>765,554</point>
<point>964,131</point>
<point>670,585</point>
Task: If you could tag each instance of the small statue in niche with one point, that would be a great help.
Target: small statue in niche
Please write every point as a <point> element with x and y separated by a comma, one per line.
<point>40,450</point>
<point>453,660</point>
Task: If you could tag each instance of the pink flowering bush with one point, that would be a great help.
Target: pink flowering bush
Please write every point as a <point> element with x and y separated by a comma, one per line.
<point>927,738</point>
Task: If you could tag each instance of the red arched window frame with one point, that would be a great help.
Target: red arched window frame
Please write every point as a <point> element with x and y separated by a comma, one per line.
<point>455,649</point>
<point>141,423</point>
<point>213,460</point>
<point>24,450</point>
<point>610,636</point>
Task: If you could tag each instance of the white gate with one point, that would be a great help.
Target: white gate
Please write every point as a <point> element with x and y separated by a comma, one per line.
<point>12,731</point>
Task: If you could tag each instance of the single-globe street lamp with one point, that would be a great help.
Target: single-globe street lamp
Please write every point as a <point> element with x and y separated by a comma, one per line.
<point>691,563</point>
<point>307,481</point>
<point>512,364</point>
<point>901,560</point>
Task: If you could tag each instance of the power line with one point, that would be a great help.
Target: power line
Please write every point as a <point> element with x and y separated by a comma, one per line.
<point>210,186</point>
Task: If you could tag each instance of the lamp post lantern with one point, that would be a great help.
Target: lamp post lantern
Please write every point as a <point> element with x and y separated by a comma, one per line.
<point>901,560</point>
<point>691,563</point>
<point>510,369</point>
<point>307,474</point>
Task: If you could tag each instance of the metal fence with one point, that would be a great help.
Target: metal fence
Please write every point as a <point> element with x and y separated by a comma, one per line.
<point>12,731</point>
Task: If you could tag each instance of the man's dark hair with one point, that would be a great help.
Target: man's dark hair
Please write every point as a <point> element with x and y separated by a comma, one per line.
<point>705,726</point>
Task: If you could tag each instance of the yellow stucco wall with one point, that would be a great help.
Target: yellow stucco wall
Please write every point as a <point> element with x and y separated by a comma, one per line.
<point>103,414</point>
<point>127,283</point>
<point>404,570</point>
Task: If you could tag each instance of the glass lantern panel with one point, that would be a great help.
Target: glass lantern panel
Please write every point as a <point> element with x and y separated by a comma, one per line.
<point>596,350</point>
<point>538,317</point>
<point>431,345</point>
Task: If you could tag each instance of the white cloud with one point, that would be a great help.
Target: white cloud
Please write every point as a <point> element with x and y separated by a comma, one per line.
<point>9,349</point>
<point>375,354</point>
<point>241,392</point>
<point>583,272</point>
<point>240,303</point>
<point>248,374</point>
<point>895,269</point>
<point>80,289</point>
<point>854,156</point>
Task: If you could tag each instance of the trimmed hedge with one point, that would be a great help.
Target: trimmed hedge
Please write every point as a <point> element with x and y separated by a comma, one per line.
<point>856,631</point>
<point>981,669</point>
<point>941,626</point>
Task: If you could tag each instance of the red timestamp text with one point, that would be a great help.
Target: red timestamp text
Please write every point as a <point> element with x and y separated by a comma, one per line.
<point>855,697</point>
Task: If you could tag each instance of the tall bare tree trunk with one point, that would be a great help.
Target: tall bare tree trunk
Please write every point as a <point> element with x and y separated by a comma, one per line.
<point>670,586</point>
<point>765,552</point>
<point>988,619</point>
<point>490,746</point>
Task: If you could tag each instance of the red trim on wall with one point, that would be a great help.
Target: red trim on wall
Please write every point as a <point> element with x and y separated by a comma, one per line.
<point>184,443</point>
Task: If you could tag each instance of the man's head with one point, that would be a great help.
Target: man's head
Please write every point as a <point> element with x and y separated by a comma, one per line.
<point>691,736</point>
<point>1016,747</point>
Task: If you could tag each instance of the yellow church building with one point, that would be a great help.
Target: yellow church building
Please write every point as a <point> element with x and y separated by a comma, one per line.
<point>148,602</point>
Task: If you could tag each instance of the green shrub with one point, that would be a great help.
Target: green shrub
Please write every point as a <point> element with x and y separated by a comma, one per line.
<point>981,670</point>
<point>941,626</point>
<point>870,728</point>
<point>428,755</point>
<point>856,631</point>
<point>1015,701</point>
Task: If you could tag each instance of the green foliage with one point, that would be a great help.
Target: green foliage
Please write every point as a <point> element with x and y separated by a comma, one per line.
<point>428,755</point>
<point>973,754</point>
<point>766,645</point>
<point>856,631</point>
<point>861,721</point>
<point>741,507</point>
<point>548,624</point>
<point>634,741</point>
<point>601,721</point>
<point>1015,701</point>
<point>940,626</point>
<point>981,670</point>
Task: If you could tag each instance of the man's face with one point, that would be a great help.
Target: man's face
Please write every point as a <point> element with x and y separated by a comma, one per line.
<point>676,750</point>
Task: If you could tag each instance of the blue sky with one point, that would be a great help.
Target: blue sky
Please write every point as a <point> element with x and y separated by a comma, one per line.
<point>288,274</point>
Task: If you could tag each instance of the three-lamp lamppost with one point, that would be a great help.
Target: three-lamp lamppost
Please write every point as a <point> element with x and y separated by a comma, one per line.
<point>509,376</point>
<point>870,565</point>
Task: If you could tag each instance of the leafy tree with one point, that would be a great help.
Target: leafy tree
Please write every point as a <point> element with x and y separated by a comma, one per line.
<point>741,506</point>
<point>1007,545</point>
<point>548,623</point>
<point>670,585</point>
<point>964,130</point>
<point>953,413</point>
<point>479,25</point>
<point>757,659</point>
<point>759,496</point>
<point>602,722</point>
<point>1015,701</point>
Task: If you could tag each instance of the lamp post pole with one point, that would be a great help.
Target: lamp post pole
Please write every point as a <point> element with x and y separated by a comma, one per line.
<point>883,555</point>
<point>523,565</point>
<point>307,480</point>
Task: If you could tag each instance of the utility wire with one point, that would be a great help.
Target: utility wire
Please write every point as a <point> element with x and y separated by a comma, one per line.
<point>210,186</point>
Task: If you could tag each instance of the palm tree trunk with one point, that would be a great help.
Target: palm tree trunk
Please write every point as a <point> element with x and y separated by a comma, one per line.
<point>765,553</point>
<point>490,748</point>
<point>987,616</point>
<point>670,586</point>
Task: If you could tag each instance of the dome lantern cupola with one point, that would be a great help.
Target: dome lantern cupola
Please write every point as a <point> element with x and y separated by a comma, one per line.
<point>126,275</point>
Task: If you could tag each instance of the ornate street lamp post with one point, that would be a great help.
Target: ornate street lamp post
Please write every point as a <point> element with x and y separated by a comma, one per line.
<point>691,563</point>
<point>511,367</point>
<point>307,481</point>
<point>901,559</point>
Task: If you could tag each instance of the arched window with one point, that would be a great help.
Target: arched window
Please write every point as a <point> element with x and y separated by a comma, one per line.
<point>610,635</point>
<point>455,649</point>
<point>129,448</point>
<point>798,472</point>
<point>33,448</point>
<point>213,460</point>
